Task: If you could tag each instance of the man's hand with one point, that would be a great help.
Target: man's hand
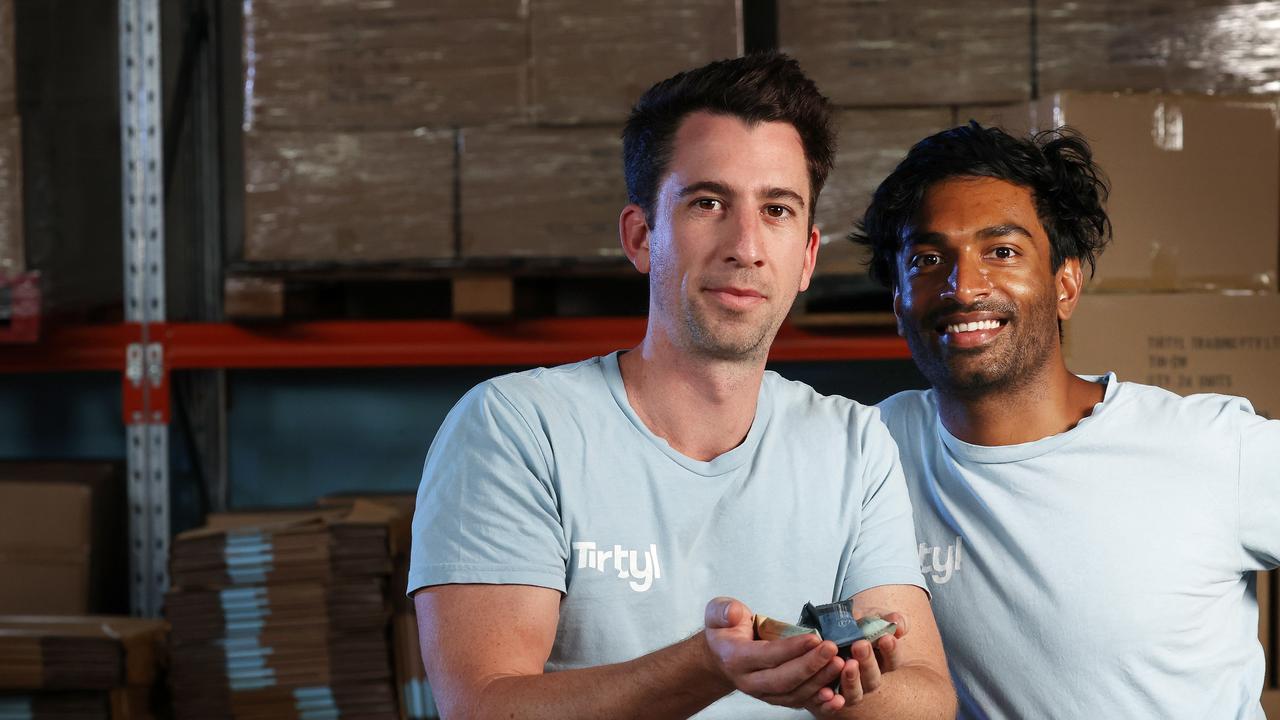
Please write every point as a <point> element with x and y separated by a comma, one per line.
<point>792,672</point>
<point>863,673</point>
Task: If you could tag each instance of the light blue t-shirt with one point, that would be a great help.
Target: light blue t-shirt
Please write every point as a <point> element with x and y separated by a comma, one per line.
<point>549,478</point>
<point>1105,572</point>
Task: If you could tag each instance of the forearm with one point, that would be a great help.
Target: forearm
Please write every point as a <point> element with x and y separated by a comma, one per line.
<point>914,692</point>
<point>674,682</point>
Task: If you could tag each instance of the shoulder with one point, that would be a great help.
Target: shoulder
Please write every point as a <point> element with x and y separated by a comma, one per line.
<point>908,410</point>
<point>541,386</point>
<point>1156,405</point>
<point>800,403</point>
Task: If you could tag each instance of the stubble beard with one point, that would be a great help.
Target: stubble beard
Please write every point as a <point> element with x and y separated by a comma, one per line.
<point>727,341</point>
<point>1012,364</point>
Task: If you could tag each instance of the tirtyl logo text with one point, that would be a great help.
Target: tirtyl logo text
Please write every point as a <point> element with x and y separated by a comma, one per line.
<point>627,563</point>
<point>942,567</point>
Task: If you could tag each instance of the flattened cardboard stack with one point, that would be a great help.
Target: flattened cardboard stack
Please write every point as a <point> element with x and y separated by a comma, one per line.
<point>416,700</point>
<point>284,615</point>
<point>56,667</point>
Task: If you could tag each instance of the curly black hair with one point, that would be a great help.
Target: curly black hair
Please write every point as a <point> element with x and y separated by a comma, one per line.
<point>761,87</point>
<point>1069,190</point>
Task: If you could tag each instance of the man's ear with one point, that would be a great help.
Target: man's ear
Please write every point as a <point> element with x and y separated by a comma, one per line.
<point>633,230</point>
<point>810,257</point>
<point>1069,284</point>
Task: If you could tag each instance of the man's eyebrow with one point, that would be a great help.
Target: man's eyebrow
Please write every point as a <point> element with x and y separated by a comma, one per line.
<point>996,231</point>
<point>921,237</point>
<point>781,193</point>
<point>710,186</point>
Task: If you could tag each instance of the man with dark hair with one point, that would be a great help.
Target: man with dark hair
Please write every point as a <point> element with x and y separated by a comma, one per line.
<point>1090,543</point>
<point>573,523</point>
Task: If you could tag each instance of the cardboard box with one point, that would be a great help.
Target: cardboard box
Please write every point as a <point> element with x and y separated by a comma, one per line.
<point>871,144</point>
<point>349,197</point>
<point>45,533</point>
<point>1185,342</point>
<point>593,60</point>
<point>1195,187</point>
<point>541,192</point>
<point>882,52</point>
<point>1207,46</point>
<point>103,526</point>
<point>396,64</point>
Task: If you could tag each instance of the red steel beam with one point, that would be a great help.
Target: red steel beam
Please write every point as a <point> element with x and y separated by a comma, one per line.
<point>392,343</point>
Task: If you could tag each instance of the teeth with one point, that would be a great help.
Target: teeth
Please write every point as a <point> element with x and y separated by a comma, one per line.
<point>973,326</point>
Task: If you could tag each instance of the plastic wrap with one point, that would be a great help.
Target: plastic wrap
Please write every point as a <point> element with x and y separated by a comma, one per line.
<point>592,60</point>
<point>333,196</point>
<point>885,52</point>
<point>541,192</point>
<point>1186,45</point>
<point>389,64</point>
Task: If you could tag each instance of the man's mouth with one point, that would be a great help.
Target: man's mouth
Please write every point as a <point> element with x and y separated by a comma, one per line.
<point>967,327</point>
<point>737,297</point>
<point>963,333</point>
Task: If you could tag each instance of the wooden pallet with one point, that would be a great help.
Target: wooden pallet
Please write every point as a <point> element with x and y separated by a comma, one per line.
<point>471,291</point>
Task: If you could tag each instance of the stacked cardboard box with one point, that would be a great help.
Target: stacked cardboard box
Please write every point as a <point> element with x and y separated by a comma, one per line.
<point>62,544</point>
<point>80,667</point>
<point>416,700</point>
<point>284,615</point>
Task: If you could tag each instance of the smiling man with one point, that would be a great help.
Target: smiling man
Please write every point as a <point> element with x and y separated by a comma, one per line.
<point>581,530</point>
<point>1089,542</point>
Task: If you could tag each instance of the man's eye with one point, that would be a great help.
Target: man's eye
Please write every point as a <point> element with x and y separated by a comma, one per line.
<point>777,211</point>
<point>1004,253</point>
<point>707,204</point>
<point>924,260</point>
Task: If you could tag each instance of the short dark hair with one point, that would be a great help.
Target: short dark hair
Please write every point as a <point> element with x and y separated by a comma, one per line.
<point>761,87</point>
<point>1057,166</point>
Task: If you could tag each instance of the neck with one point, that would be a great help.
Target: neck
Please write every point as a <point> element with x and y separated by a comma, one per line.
<point>702,407</point>
<point>1052,402</point>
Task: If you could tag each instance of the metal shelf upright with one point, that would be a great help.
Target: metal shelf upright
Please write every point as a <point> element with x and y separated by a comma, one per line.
<point>145,397</point>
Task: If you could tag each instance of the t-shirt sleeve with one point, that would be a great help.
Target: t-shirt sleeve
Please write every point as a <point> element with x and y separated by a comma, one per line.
<point>1260,492</point>
<point>487,510</point>
<point>885,551</point>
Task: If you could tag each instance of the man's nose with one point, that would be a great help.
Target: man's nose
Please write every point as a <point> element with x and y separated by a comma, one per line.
<point>968,280</point>
<point>745,242</point>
